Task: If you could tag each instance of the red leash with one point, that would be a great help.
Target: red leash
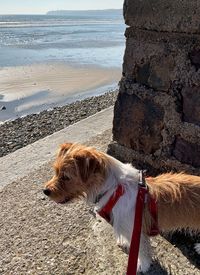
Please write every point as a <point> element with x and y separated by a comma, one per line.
<point>105,213</point>
<point>135,241</point>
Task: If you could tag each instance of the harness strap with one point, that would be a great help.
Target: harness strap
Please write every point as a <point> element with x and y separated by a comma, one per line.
<point>106,210</point>
<point>153,209</point>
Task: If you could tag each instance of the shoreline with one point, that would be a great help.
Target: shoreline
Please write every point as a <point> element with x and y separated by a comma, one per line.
<point>34,88</point>
<point>26,130</point>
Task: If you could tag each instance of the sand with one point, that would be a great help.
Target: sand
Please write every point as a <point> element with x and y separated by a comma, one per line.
<point>29,89</point>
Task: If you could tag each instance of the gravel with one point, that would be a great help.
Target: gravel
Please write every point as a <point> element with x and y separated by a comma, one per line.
<point>26,130</point>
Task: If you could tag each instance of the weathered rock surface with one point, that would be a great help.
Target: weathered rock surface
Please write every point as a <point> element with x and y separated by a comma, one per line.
<point>187,152</point>
<point>191,104</point>
<point>138,123</point>
<point>163,15</point>
<point>157,114</point>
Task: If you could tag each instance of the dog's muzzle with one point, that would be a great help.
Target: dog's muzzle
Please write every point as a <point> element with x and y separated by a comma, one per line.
<point>47,192</point>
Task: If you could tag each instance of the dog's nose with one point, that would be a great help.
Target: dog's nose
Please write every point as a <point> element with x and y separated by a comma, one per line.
<point>47,192</point>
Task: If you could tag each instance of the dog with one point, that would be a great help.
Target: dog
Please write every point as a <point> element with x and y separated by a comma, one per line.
<point>82,171</point>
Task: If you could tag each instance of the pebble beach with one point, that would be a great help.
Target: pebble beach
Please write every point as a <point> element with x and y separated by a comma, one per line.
<point>26,130</point>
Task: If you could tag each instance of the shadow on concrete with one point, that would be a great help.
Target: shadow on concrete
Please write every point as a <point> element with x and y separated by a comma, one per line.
<point>155,269</point>
<point>185,242</point>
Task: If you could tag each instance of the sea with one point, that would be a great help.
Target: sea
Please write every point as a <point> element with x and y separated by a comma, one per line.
<point>75,38</point>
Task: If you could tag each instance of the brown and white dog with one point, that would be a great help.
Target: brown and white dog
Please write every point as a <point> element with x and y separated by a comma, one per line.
<point>83,171</point>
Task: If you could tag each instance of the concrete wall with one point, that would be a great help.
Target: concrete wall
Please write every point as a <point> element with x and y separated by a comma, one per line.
<point>157,113</point>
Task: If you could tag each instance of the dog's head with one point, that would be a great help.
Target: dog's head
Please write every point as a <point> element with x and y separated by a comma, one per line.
<point>79,171</point>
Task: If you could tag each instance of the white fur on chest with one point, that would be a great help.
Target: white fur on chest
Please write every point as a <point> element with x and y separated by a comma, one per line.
<point>124,211</point>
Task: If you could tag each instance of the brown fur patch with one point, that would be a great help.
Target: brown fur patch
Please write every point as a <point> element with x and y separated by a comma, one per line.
<point>178,198</point>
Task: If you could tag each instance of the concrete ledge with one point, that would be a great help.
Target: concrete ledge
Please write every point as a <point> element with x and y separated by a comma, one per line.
<point>23,161</point>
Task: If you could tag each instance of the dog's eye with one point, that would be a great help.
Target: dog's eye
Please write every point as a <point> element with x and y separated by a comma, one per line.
<point>65,177</point>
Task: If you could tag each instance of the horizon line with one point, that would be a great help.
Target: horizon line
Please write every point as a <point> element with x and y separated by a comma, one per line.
<point>45,13</point>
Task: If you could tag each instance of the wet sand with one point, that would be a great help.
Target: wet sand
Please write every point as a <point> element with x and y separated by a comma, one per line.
<point>30,89</point>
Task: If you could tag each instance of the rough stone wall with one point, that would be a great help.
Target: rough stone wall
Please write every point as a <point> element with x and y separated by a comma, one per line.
<point>157,113</point>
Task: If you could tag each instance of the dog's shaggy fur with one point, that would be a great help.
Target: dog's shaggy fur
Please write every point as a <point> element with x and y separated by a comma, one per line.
<point>84,171</point>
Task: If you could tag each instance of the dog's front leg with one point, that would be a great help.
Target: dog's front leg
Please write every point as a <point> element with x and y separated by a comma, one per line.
<point>145,254</point>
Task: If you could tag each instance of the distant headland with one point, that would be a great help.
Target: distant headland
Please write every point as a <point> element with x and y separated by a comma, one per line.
<point>85,12</point>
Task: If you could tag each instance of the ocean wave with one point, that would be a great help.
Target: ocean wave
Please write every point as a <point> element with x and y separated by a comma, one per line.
<point>56,24</point>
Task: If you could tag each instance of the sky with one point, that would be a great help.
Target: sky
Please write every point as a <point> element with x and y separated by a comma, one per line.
<point>43,6</point>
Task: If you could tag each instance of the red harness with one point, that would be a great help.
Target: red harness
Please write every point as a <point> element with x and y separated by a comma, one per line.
<point>142,198</point>
<point>105,212</point>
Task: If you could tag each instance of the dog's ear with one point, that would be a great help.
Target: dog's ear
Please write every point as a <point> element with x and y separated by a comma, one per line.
<point>87,165</point>
<point>64,148</point>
